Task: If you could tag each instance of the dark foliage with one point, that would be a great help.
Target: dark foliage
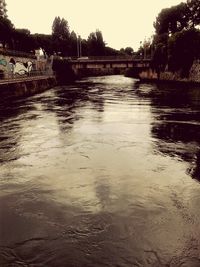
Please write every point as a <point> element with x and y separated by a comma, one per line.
<point>183,49</point>
<point>6,31</point>
<point>177,40</point>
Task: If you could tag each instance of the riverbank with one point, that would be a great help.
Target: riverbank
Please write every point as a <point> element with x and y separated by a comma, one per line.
<point>150,75</point>
<point>26,86</point>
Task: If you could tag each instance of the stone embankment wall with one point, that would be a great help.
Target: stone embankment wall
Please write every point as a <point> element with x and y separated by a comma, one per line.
<point>24,74</point>
<point>26,87</point>
<point>194,75</point>
<point>148,74</point>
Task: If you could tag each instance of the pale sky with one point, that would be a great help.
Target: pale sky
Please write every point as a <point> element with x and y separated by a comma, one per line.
<point>123,23</point>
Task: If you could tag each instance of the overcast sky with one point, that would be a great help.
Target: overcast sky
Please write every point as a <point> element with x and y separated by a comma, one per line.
<point>123,23</point>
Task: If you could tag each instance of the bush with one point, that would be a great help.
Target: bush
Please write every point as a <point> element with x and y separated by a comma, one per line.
<point>183,49</point>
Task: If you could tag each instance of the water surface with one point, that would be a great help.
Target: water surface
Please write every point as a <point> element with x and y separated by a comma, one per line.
<point>104,172</point>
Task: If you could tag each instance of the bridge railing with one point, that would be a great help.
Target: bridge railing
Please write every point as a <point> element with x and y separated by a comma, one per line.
<point>114,58</point>
<point>34,73</point>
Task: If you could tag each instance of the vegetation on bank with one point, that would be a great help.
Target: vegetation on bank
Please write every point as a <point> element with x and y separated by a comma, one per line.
<point>177,40</point>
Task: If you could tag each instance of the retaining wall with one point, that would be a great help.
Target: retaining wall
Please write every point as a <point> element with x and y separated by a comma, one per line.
<point>26,87</point>
<point>193,77</point>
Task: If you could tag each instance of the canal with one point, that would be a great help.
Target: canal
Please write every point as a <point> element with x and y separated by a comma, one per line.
<point>103,172</point>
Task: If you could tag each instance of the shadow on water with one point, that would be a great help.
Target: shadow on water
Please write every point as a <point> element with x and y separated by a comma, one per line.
<point>12,113</point>
<point>66,236</point>
<point>65,102</point>
<point>176,125</point>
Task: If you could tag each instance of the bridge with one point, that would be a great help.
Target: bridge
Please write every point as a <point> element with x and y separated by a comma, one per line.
<point>109,62</point>
<point>132,66</point>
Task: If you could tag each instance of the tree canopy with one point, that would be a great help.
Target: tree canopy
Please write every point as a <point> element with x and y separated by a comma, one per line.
<point>194,12</point>
<point>60,29</point>
<point>96,44</point>
<point>171,20</point>
<point>177,39</point>
<point>6,30</point>
<point>61,41</point>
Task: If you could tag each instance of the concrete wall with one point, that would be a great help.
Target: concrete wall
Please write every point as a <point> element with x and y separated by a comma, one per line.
<point>99,69</point>
<point>99,65</point>
<point>85,72</point>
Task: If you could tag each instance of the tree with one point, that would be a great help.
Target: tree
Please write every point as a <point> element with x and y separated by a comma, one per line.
<point>128,51</point>
<point>173,19</point>
<point>177,38</point>
<point>100,43</point>
<point>84,47</point>
<point>96,44</point>
<point>6,31</point>
<point>44,41</point>
<point>194,12</point>
<point>73,44</point>
<point>23,40</point>
<point>60,29</point>
<point>61,36</point>
<point>183,50</point>
<point>3,10</point>
<point>109,51</point>
<point>160,57</point>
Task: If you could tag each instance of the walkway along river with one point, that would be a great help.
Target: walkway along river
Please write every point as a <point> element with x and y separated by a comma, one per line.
<point>104,172</point>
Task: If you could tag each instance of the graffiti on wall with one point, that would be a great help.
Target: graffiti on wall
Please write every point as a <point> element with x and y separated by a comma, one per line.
<point>3,62</point>
<point>20,68</point>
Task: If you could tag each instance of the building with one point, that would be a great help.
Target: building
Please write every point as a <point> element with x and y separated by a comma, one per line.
<point>3,10</point>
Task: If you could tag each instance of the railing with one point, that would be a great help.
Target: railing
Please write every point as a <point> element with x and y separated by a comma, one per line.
<point>111,57</point>
<point>28,76</point>
<point>114,58</point>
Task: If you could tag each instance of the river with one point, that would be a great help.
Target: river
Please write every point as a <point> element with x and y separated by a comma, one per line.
<point>102,172</point>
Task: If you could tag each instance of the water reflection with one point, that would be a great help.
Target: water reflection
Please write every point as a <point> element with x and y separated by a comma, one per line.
<point>11,117</point>
<point>103,192</point>
<point>176,127</point>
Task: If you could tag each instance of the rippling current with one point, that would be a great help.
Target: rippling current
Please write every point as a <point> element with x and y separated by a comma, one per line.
<point>103,172</point>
